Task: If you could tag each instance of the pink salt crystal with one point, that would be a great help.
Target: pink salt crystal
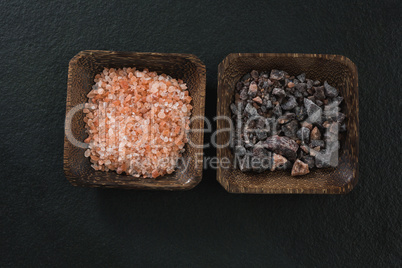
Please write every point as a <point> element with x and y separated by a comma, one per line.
<point>161,115</point>
<point>155,173</point>
<point>258,100</point>
<point>277,161</point>
<point>154,87</point>
<point>253,87</point>
<point>299,168</point>
<point>162,86</point>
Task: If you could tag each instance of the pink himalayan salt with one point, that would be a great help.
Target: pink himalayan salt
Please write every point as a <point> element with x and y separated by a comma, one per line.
<point>134,120</point>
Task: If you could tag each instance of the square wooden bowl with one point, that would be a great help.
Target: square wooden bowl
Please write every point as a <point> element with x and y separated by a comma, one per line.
<point>82,70</point>
<point>341,73</point>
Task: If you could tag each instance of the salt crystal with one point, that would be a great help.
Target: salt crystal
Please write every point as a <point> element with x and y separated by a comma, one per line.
<point>161,115</point>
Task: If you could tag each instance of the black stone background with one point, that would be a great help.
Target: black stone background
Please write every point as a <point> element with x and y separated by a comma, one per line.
<point>47,222</point>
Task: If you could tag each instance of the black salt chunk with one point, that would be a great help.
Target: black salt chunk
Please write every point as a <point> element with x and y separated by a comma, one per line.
<point>277,110</point>
<point>240,150</point>
<point>280,92</point>
<point>302,77</point>
<point>303,134</point>
<point>330,91</point>
<point>290,104</point>
<point>245,77</point>
<point>277,75</point>
<point>315,143</point>
<point>301,113</point>
<point>314,112</point>
<point>319,93</point>
<point>309,160</point>
<point>290,129</point>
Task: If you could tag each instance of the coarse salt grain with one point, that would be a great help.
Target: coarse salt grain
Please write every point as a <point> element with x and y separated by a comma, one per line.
<point>131,123</point>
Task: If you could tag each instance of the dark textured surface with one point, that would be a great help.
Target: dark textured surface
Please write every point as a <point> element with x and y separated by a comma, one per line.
<point>46,221</point>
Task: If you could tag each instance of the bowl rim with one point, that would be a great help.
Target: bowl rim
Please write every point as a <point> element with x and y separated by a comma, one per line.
<point>87,52</point>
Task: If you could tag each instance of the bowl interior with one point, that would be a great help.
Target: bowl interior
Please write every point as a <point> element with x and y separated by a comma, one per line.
<point>339,72</point>
<point>82,70</point>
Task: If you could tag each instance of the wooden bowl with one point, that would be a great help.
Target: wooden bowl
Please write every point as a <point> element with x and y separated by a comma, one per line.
<point>82,70</point>
<point>341,73</point>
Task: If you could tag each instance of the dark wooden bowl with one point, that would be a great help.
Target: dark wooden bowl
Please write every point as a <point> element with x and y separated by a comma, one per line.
<point>82,70</point>
<point>340,72</point>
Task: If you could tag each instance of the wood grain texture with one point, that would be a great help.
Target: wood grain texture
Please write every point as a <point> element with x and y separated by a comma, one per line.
<point>82,70</point>
<point>341,73</point>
